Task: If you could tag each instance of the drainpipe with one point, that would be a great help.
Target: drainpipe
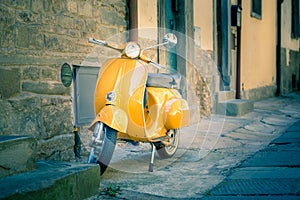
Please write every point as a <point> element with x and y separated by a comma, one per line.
<point>133,20</point>
<point>238,56</point>
<point>278,49</point>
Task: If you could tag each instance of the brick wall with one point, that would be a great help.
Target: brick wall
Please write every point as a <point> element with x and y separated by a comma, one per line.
<point>36,38</point>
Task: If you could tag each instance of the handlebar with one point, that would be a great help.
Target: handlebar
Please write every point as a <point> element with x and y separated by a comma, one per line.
<point>118,47</point>
<point>100,42</point>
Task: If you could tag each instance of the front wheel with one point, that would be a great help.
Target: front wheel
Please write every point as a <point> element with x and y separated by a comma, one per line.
<point>103,146</point>
<point>170,150</point>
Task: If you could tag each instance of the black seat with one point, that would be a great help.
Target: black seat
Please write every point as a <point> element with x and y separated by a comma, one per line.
<point>164,80</point>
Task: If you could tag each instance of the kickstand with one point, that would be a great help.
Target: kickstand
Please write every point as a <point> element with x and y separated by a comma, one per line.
<point>152,158</point>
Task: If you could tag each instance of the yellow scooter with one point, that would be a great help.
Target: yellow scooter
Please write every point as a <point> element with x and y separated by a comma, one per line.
<point>132,104</point>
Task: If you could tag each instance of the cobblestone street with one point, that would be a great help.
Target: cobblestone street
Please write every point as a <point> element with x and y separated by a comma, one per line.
<point>208,162</point>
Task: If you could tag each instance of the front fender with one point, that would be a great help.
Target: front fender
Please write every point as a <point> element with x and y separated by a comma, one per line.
<point>113,117</point>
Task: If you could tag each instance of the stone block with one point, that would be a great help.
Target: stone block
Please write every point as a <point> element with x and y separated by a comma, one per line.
<point>236,107</point>
<point>225,96</point>
<point>65,21</point>
<point>72,6</point>
<point>7,26</point>
<point>49,73</point>
<point>110,16</point>
<point>120,5</point>
<point>60,147</point>
<point>6,117</point>
<point>53,6</point>
<point>91,25</point>
<point>37,6</point>
<point>20,116</point>
<point>56,117</point>
<point>26,17</point>
<point>53,180</point>
<point>58,43</point>
<point>24,4</point>
<point>260,93</point>
<point>85,8</point>
<point>31,73</point>
<point>29,37</point>
<point>9,82</point>
<point>105,32</point>
<point>17,154</point>
<point>45,88</point>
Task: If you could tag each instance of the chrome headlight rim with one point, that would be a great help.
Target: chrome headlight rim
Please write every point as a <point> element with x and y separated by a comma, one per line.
<point>132,50</point>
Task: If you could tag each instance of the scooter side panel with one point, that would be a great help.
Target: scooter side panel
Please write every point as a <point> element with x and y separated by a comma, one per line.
<point>174,111</point>
<point>177,113</point>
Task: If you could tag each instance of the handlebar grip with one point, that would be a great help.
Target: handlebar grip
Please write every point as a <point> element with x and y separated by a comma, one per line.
<point>91,40</point>
<point>100,42</point>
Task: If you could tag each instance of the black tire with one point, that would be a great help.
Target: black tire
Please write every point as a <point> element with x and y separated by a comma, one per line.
<point>169,151</point>
<point>109,144</point>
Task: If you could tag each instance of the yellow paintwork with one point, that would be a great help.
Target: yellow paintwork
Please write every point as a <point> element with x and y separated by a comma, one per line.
<point>114,117</point>
<point>165,106</point>
<point>177,113</point>
<point>127,79</point>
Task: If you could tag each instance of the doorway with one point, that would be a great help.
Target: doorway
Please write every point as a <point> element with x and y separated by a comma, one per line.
<point>168,15</point>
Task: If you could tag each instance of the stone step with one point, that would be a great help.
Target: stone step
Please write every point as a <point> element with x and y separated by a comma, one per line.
<point>235,107</point>
<point>53,180</point>
<point>223,96</point>
<point>17,154</point>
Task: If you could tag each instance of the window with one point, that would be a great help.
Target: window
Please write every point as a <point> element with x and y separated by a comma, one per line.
<point>295,19</point>
<point>256,9</point>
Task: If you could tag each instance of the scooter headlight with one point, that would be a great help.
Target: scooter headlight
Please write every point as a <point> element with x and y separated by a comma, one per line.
<point>111,97</point>
<point>132,50</point>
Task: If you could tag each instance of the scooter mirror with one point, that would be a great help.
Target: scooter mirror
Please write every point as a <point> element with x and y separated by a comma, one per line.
<point>66,75</point>
<point>170,40</point>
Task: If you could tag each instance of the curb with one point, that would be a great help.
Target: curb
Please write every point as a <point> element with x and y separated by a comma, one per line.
<point>53,180</point>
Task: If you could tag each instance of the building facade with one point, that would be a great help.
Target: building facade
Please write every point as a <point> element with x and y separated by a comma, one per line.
<point>253,44</point>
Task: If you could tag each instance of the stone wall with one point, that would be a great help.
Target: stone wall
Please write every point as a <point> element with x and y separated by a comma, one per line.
<point>36,38</point>
<point>202,80</point>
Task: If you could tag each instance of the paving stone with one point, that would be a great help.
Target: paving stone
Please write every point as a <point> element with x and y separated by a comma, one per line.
<point>266,172</point>
<point>288,137</point>
<point>286,146</point>
<point>246,135</point>
<point>260,128</point>
<point>295,127</point>
<point>277,121</point>
<point>250,197</point>
<point>269,159</point>
<point>257,187</point>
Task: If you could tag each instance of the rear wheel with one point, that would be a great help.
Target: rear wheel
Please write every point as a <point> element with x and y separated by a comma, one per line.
<point>169,151</point>
<point>103,147</point>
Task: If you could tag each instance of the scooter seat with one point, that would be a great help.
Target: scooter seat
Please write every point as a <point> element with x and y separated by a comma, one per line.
<point>164,80</point>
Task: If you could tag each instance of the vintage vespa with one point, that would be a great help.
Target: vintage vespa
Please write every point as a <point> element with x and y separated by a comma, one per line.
<point>132,104</point>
